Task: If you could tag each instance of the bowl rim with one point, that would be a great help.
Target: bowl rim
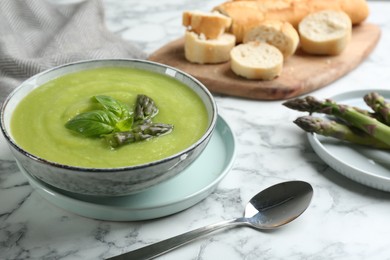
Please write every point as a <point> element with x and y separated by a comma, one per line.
<point>181,154</point>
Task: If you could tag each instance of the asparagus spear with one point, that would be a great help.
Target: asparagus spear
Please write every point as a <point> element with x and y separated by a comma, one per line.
<point>379,105</point>
<point>145,108</point>
<point>340,131</point>
<point>311,104</point>
<point>143,128</point>
<point>360,120</point>
<point>138,133</point>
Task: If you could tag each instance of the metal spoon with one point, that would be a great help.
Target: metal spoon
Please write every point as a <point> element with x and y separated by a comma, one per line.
<point>269,209</point>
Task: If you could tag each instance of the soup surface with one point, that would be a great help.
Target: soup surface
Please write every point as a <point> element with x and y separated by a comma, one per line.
<point>37,124</point>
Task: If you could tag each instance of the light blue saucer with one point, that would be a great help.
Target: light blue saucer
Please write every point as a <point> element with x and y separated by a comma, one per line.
<point>181,192</point>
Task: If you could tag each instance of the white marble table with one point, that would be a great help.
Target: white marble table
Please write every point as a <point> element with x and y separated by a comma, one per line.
<point>346,220</point>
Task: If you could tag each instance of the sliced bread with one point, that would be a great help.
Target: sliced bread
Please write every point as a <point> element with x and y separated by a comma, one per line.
<point>326,32</point>
<point>198,49</point>
<point>280,34</point>
<point>256,60</point>
<point>211,25</point>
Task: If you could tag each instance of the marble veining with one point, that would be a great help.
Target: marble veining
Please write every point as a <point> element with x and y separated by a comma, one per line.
<point>346,220</point>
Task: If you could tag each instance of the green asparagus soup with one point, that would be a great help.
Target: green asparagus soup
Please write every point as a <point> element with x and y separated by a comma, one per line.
<point>38,122</point>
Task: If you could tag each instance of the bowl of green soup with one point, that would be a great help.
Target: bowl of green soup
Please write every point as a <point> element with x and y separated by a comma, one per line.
<point>108,127</point>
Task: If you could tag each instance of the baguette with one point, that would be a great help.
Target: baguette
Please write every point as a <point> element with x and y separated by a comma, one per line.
<point>247,14</point>
<point>325,33</point>
<point>198,49</point>
<point>244,14</point>
<point>256,60</point>
<point>280,34</point>
<point>212,25</point>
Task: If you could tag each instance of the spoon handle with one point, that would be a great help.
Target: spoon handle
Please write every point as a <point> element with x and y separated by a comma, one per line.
<point>159,248</point>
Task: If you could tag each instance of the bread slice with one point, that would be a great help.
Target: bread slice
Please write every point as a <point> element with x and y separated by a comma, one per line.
<point>280,34</point>
<point>326,32</point>
<point>211,25</point>
<point>256,60</point>
<point>198,49</point>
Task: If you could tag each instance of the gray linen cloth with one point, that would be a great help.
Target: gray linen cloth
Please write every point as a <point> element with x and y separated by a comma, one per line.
<point>36,35</point>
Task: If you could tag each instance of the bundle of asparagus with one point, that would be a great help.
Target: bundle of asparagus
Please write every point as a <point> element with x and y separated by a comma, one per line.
<point>347,123</point>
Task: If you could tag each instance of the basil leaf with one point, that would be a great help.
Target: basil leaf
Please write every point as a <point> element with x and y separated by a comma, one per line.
<point>124,125</point>
<point>93,123</point>
<point>114,106</point>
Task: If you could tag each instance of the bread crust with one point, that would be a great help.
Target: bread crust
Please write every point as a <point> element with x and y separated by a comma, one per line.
<point>203,51</point>
<point>249,13</point>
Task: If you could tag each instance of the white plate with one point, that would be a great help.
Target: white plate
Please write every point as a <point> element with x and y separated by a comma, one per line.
<point>181,192</point>
<point>367,166</point>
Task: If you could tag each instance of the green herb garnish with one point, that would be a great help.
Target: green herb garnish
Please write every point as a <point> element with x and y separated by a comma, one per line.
<point>116,123</point>
<point>112,105</point>
<point>93,123</point>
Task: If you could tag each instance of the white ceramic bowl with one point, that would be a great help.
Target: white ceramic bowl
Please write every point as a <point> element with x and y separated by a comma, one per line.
<point>106,181</point>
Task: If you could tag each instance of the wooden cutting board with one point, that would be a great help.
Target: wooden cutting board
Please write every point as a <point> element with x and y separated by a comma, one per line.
<point>302,73</point>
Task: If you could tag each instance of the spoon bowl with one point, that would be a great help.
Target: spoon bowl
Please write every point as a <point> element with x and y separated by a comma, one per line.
<point>269,209</point>
<point>278,204</point>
